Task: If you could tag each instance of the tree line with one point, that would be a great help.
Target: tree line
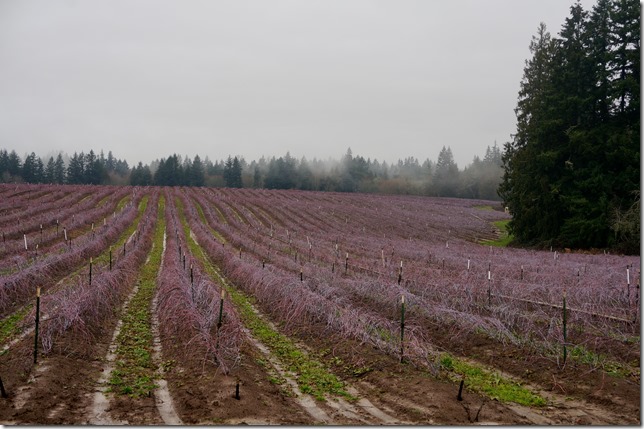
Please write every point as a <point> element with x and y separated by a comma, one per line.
<point>571,173</point>
<point>352,173</point>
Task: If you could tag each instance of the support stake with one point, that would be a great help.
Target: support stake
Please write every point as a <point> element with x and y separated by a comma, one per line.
<point>402,327</point>
<point>565,336</point>
<point>2,391</point>
<point>460,389</point>
<point>37,325</point>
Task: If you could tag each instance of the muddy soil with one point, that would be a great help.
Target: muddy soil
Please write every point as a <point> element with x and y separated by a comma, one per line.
<point>60,390</point>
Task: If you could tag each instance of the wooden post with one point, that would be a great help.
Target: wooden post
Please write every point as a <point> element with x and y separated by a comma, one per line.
<point>90,270</point>
<point>221,309</point>
<point>110,258</point>
<point>628,285</point>
<point>489,285</point>
<point>346,263</point>
<point>400,272</point>
<point>2,391</point>
<point>402,327</point>
<point>37,325</point>
<point>637,300</point>
<point>565,337</point>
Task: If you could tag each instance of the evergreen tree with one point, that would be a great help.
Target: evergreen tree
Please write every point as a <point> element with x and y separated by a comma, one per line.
<point>572,168</point>
<point>525,188</point>
<point>4,165</point>
<point>93,172</point>
<point>281,173</point>
<point>227,173</point>
<point>30,172</point>
<point>59,170</point>
<point>257,178</point>
<point>49,171</point>
<point>236,174</point>
<point>14,165</point>
<point>446,174</point>
<point>196,174</point>
<point>169,172</point>
<point>141,175</point>
<point>76,169</point>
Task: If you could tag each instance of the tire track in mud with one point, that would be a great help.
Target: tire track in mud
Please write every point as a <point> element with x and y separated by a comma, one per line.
<point>101,405</point>
<point>162,396</point>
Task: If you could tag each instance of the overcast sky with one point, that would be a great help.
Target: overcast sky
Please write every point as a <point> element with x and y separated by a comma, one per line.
<point>148,78</point>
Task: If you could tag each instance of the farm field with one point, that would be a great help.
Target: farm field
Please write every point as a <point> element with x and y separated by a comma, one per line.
<point>210,306</point>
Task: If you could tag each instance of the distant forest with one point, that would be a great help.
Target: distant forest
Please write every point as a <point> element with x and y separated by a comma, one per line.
<point>352,173</point>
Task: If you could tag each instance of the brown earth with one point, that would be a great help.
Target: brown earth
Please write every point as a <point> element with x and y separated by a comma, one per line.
<point>60,389</point>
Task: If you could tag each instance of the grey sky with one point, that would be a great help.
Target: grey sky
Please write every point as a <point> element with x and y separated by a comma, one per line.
<point>149,78</point>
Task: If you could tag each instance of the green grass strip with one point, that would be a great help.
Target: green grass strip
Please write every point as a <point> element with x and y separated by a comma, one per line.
<point>202,216</point>
<point>134,370</point>
<point>9,325</point>
<point>118,246</point>
<point>311,375</point>
<point>489,383</point>
<point>505,237</point>
<point>123,202</point>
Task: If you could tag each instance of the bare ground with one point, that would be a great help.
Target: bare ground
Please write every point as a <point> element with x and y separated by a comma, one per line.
<point>61,387</point>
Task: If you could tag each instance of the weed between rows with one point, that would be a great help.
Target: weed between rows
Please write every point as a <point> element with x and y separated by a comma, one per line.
<point>505,237</point>
<point>489,383</point>
<point>134,371</point>
<point>614,369</point>
<point>104,257</point>
<point>9,325</point>
<point>311,375</point>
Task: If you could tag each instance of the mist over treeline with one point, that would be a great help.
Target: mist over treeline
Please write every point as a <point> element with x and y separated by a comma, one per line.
<point>350,173</point>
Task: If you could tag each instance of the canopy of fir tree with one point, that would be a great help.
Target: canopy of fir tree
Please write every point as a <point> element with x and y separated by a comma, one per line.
<point>572,171</point>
